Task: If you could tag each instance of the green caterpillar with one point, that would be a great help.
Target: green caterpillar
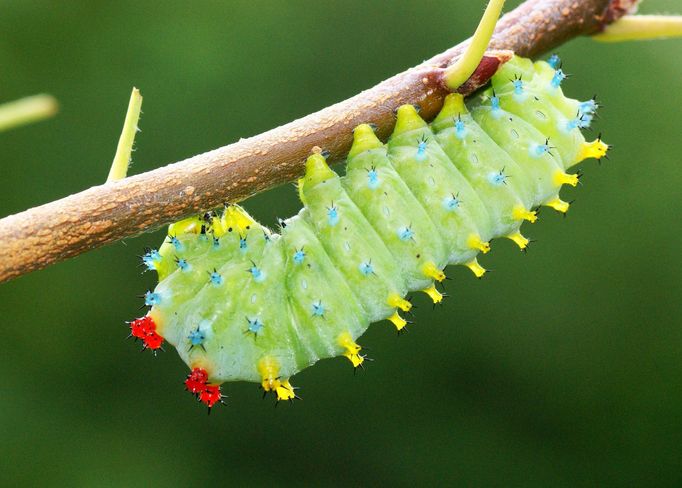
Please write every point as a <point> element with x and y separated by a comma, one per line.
<point>241,303</point>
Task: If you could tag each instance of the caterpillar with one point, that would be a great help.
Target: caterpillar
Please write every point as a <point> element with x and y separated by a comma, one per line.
<point>240,302</point>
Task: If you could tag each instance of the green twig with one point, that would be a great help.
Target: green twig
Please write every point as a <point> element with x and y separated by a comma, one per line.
<point>642,27</point>
<point>460,71</point>
<point>27,110</point>
<point>119,168</point>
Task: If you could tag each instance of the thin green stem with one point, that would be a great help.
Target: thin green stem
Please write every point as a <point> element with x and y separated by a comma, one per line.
<point>119,168</point>
<point>642,27</point>
<point>27,110</point>
<point>460,71</point>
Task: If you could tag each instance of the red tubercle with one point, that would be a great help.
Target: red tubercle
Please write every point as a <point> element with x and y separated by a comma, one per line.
<point>196,381</point>
<point>152,341</point>
<point>211,395</point>
<point>140,327</point>
<point>197,384</point>
<point>145,328</point>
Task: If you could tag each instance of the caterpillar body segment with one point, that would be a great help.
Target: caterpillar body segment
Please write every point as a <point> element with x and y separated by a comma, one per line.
<point>497,178</point>
<point>351,241</point>
<point>310,275</point>
<point>239,302</point>
<point>406,228</point>
<point>440,187</point>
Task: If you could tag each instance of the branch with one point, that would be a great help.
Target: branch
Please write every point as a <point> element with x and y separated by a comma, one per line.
<point>103,214</point>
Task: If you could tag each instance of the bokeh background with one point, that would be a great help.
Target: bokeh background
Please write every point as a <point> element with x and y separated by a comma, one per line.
<point>561,368</point>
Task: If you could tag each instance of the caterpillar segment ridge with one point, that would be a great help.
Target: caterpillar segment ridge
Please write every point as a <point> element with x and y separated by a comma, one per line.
<point>240,302</point>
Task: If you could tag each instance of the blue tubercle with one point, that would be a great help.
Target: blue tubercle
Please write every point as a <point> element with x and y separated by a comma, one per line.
<point>582,121</point>
<point>196,337</point>
<point>176,243</point>
<point>518,86</point>
<point>258,275</point>
<point>151,299</point>
<point>421,149</point>
<point>242,244</point>
<point>554,61</point>
<point>405,233</point>
<point>495,103</point>
<point>540,149</point>
<point>332,215</point>
<point>585,121</point>
<point>372,178</point>
<point>255,325</point>
<point>451,202</point>
<point>151,258</point>
<point>498,178</point>
<point>299,256</point>
<point>558,77</point>
<point>588,106</point>
<point>318,309</point>
<point>216,243</point>
<point>460,129</point>
<point>216,278</point>
<point>366,268</point>
<point>182,263</point>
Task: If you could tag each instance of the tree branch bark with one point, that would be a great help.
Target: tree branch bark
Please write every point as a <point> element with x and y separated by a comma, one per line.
<point>43,235</point>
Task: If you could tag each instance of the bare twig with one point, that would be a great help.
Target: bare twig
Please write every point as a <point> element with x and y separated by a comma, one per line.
<point>43,235</point>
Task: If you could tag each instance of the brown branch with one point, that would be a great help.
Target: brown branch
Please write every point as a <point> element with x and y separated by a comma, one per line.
<point>103,214</point>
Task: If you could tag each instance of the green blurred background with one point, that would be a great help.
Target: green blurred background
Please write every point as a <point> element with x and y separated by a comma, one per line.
<point>561,368</point>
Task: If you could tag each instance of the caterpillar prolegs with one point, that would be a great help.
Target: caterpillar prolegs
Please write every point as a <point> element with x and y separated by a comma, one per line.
<point>242,303</point>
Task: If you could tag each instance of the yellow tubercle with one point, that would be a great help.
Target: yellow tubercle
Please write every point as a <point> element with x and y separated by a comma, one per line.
<point>561,178</point>
<point>519,239</point>
<point>345,340</point>
<point>268,368</point>
<point>216,224</point>
<point>434,294</point>
<point>285,391</point>
<point>476,268</point>
<point>558,204</point>
<point>407,120</point>
<point>432,271</point>
<point>234,219</point>
<point>453,106</point>
<point>316,170</point>
<point>364,139</point>
<point>398,321</point>
<point>475,242</point>
<point>190,225</point>
<point>521,213</point>
<point>396,301</point>
<point>596,149</point>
